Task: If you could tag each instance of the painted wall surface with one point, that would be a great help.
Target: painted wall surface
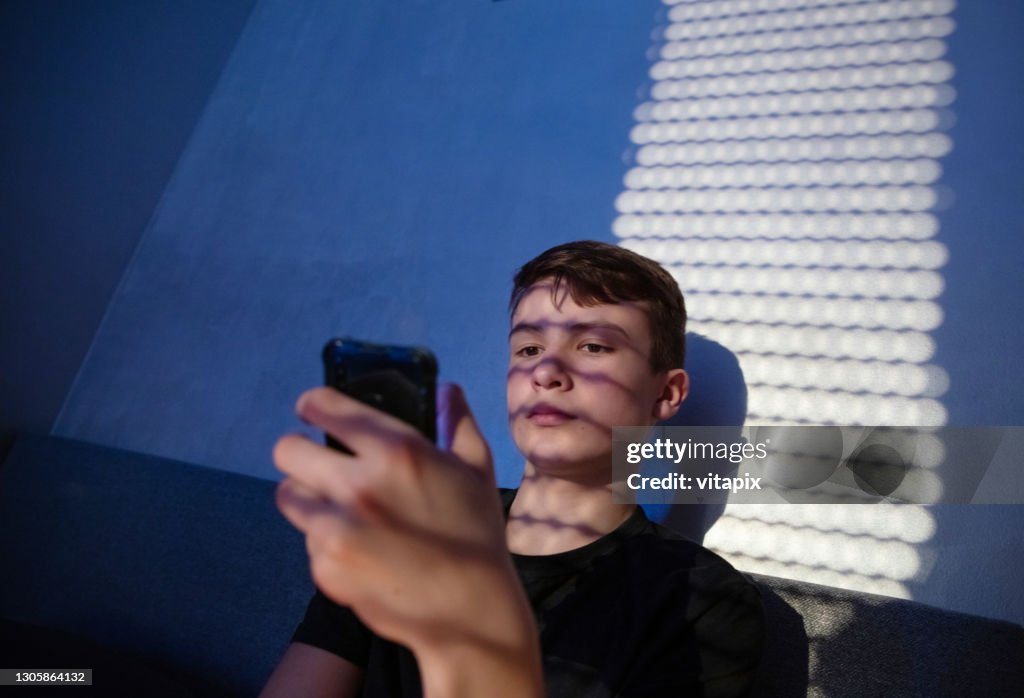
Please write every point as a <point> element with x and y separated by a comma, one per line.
<point>364,169</point>
<point>981,337</point>
<point>380,169</point>
<point>803,171</point>
<point>978,343</point>
<point>98,102</point>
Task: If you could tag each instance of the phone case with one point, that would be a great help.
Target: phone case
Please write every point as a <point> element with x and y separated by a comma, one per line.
<point>395,379</point>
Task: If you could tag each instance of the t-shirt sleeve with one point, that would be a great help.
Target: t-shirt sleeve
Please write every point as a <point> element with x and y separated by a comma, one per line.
<point>336,629</point>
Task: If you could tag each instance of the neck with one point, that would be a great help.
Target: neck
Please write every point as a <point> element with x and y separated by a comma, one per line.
<point>553,515</point>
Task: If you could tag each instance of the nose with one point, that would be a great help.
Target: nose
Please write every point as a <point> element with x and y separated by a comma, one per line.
<point>549,373</point>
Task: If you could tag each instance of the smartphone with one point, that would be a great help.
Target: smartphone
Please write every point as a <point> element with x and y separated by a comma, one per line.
<point>401,381</point>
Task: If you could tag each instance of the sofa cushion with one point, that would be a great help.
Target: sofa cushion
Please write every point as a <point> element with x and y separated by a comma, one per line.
<point>185,565</point>
<point>824,641</point>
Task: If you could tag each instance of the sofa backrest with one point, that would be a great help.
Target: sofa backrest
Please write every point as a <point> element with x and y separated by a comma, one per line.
<point>190,566</point>
<point>195,568</point>
<point>824,641</point>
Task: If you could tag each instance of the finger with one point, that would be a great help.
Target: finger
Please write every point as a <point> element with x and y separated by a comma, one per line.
<point>331,529</point>
<point>299,504</point>
<point>463,436</point>
<point>321,471</point>
<point>360,427</point>
<point>328,533</point>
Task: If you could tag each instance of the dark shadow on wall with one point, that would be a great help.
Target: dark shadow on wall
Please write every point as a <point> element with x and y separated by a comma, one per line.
<point>718,392</point>
<point>99,101</point>
<point>718,397</point>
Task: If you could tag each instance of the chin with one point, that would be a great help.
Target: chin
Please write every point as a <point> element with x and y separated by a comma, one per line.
<point>565,462</point>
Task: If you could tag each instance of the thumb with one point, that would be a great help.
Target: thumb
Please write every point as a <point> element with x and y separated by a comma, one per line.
<point>459,431</point>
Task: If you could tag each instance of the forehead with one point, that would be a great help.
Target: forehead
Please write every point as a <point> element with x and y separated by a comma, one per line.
<point>540,307</point>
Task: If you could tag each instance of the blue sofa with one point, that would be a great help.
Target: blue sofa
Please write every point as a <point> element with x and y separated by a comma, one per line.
<point>183,575</point>
<point>172,579</point>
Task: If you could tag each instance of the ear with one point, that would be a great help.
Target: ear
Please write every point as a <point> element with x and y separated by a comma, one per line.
<point>677,387</point>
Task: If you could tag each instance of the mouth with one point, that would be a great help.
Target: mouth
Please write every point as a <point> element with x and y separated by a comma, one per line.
<point>546,415</point>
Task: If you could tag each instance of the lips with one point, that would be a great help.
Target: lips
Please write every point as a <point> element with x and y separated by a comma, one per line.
<point>547,415</point>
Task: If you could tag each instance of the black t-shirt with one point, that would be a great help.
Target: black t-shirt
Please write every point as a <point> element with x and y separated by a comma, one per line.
<point>641,611</point>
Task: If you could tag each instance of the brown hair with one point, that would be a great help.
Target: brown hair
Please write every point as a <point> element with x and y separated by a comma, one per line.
<point>597,272</point>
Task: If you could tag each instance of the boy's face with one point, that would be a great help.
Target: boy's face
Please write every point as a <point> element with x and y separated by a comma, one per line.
<point>574,373</point>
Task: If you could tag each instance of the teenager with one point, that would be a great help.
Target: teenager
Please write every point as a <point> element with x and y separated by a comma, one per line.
<point>429,584</point>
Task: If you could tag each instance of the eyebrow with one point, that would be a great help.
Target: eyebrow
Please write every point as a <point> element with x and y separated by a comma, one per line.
<point>573,328</point>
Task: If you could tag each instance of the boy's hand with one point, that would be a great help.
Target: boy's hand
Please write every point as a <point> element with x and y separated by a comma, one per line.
<point>412,538</point>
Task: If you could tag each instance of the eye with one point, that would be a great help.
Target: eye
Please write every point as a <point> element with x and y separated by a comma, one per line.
<point>528,351</point>
<point>594,348</point>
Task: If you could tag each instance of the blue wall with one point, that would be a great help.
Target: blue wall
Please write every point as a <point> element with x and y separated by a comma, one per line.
<point>982,335</point>
<point>98,102</point>
<point>380,169</point>
<point>370,169</point>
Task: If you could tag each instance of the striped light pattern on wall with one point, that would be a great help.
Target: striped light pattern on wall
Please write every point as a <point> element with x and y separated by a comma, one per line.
<point>787,172</point>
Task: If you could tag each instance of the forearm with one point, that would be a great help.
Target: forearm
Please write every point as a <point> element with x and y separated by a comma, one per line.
<point>510,669</point>
<point>496,653</point>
